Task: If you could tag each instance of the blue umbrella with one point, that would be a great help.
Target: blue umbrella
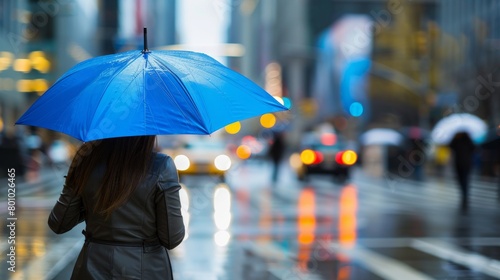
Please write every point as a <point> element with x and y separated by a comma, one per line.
<point>148,93</point>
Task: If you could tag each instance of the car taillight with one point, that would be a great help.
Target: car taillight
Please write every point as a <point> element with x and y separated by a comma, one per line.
<point>348,157</point>
<point>309,156</point>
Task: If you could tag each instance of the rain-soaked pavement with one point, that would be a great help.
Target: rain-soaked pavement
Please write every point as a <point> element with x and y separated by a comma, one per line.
<point>250,229</point>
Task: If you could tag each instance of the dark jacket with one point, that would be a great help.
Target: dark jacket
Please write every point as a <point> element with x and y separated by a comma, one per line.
<point>113,248</point>
<point>463,150</point>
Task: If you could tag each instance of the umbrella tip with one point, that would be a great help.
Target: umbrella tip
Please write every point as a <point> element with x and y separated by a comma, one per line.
<point>145,50</point>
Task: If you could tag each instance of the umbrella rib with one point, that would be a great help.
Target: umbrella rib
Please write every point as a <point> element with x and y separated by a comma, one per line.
<point>109,82</point>
<point>179,80</point>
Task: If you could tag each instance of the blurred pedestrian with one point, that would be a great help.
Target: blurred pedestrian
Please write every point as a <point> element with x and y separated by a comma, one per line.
<point>128,197</point>
<point>12,156</point>
<point>276,151</point>
<point>417,157</point>
<point>463,156</point>
<point>33,165</point>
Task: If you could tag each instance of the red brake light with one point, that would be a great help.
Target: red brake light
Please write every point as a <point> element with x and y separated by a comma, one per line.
<point>319,157</point>
<point>338,157</point>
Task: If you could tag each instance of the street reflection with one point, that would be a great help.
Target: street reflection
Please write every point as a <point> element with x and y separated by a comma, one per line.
<point>348,205</point>
<point>222,214</point>
<point>184,198</point>
<point>306,218</point>
<point>265,219</point>
<point>306,223</point>
<point>347,216</point>
<point>244,211</point>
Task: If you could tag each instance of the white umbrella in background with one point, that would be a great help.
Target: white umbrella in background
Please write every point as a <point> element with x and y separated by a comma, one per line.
<point>449,126</point>
<point>381,136</point>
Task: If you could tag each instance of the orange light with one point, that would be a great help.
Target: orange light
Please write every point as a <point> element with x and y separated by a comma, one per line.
<point>349,157</point>
<point>268,120</point>
<point>308,156</point>
<point>347,216</point>
<point>243,152</point>
<point>306,216</point>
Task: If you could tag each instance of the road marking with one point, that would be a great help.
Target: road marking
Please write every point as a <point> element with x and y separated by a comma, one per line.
<point>280,263</point>
<point>458,255</point>
<point>437,196</point>
<point>383,266</point>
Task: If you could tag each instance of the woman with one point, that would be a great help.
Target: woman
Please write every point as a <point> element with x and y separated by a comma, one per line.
<point>128,197</point>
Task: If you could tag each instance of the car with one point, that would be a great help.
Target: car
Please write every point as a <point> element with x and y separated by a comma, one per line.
<point>323,153</point>
<point>202,157</point>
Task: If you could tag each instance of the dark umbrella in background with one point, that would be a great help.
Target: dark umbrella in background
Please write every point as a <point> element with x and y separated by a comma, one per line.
<point>148,93</point>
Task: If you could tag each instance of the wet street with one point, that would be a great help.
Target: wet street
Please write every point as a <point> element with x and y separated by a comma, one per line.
<point>249,228</point>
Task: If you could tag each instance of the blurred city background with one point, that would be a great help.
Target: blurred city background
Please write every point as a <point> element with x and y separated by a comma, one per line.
<point>353,182</point>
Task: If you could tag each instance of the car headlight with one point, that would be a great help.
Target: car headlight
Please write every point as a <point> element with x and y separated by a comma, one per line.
<point>222,162</point>
<point>182,162</point>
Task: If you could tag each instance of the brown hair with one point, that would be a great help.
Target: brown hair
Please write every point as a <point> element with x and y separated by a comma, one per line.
<point>126,161</point>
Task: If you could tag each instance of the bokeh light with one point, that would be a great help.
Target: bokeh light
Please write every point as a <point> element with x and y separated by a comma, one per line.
<point>349,157</point>
<point>243,152</point>
<point>222,162</point>
<point>222,238</point>
<point>356,109</point>
<point>39,85</point>
<point>22,65</point>
<point>233,128</point>
<point>328,139</point>
<point>295,161</point>
<point>308,156</point>
<point>23,85</point>
<point>182,162</point>
<point>268,120</point>
<point>287,102</point>
<point>5,60</point>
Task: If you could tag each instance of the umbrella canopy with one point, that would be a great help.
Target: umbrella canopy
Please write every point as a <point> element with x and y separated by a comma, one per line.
<point>148,93</point>
<point>448,127</point>
<point>381,136</point>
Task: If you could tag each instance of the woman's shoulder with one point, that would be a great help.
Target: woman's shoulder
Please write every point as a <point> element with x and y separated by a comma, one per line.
<point>159,162</point>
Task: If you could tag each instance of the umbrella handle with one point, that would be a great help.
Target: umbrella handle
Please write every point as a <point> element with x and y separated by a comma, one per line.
<point>145,50</point>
